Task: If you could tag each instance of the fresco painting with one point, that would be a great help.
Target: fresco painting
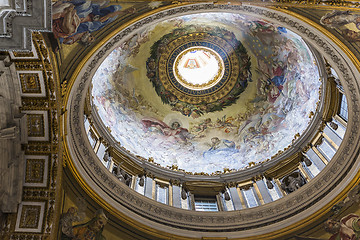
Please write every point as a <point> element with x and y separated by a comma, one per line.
<point>347,22</point>
<point>90,230</point>
<point>184,107</point>
<point>273,109</point>
<point>76,21</point>
<point>342,225</point>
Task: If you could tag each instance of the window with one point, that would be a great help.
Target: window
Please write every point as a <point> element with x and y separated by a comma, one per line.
<point>228,205</point>
<point>86,123</point>
<point>340,130</point>
<point>315,159</point>
<point>185,203</point>
<point>207,204</point>
<point>140,185</point>
<point>274,191</point>
<point>326,149</point>
<point>343,111</point>
<point>92,138</point>
<point>250,198</point>
<point>333,72</point>
<point>162,193</point>
<point>100,153</point>
<point>312,170</point>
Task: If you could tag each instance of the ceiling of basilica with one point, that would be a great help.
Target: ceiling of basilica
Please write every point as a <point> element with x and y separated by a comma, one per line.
<point>207,91</point>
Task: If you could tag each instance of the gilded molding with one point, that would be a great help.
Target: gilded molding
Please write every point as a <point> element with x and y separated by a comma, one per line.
<point>43,183</point>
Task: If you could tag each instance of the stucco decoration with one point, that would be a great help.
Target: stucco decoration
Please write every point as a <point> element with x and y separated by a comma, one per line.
<point>269,87</point>
<point>19,18</point>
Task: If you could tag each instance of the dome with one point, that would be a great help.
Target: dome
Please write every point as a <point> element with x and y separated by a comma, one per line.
<point>207,91</point>
<point>252,142</point>
<point>180,120</point>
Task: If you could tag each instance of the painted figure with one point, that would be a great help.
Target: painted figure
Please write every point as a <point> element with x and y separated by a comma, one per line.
<point>274,110</point>
<point>91,230</point>
<point>220,149</point>
<point>348,228</point>
<point>176,131</point>
<point>67,220</point>
<point>217,144</point>
<point>351,35</point>
<point>76,19</point>
<point>338,18</point>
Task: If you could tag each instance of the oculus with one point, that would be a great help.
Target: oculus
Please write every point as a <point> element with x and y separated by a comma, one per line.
<point>179,76</point>
<point>198,68</point>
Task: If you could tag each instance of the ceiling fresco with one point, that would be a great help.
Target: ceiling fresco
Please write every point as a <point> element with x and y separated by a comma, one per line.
<point>260,95</point>
<point>172,75</point>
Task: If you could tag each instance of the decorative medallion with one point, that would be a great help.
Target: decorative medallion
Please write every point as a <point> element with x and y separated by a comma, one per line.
<point>192,70</point>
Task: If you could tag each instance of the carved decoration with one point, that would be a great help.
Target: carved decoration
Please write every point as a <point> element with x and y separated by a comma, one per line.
<point>30,217</point>
<point>334,126</point>
<point>307,161</point>
<point>269,184</point>
<point>292,182</point>
<point>19,19</point>
<point>32,83</point>
<point>36,213</point>
<point>38,125</point>
<point>36,171</point>
<point>122,175</point>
